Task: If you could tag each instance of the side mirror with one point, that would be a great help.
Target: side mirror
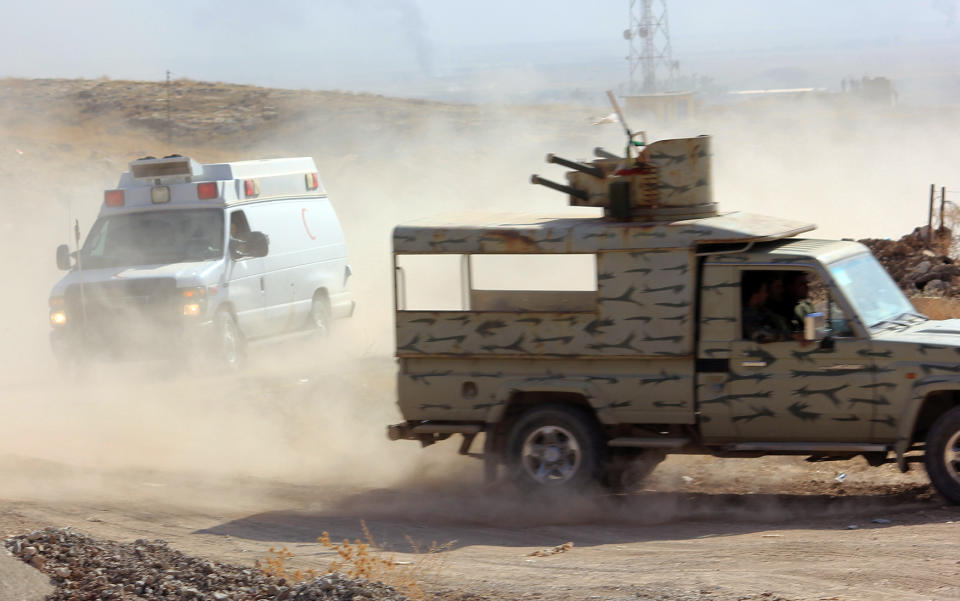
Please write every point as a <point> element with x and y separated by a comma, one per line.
<point>258,244</point>
<point>63,257</point>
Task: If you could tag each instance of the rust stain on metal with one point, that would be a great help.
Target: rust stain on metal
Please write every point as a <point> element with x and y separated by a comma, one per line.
<point>512,240</point>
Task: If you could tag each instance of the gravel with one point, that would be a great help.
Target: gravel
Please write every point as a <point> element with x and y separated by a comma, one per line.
<point>83,569</point>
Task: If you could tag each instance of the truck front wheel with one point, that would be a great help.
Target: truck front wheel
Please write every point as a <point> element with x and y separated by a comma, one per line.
<point>942,455</point>
<point>554,448</point>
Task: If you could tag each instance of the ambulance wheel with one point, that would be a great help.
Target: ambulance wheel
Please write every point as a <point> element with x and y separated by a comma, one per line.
<point>71,368</point>
<point>71,358</point>
<point>942,455</point>
<point>554,448</point>
<point>232,347</point>
<point>320,315</point>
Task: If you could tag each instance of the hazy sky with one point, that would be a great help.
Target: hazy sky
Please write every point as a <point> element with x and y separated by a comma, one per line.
<point>391,46</point>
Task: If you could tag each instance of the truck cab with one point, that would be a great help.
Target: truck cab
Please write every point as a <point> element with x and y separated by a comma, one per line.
<point>190,260</point>
<point>645,339</point>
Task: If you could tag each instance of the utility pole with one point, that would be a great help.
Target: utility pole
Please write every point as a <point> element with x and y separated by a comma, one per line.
<point>169,132</point>
<point>650,51</point>
<point>943,201</point>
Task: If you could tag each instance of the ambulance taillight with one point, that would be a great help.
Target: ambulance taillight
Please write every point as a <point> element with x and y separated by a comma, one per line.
<point>207,190</point>
<point>251,188</point>
<point>113,198</point>
<point>313,181</point>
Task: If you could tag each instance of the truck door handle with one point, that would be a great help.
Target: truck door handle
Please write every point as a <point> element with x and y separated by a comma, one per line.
<point>261,284</point>
<point>754,364</point>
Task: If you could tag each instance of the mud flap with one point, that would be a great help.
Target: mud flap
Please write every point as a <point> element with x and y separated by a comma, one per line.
<point>491,462</point>
<point>900,449</point>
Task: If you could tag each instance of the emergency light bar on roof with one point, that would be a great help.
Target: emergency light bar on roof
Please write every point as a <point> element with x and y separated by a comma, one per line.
<point>172,166</point>
<point>176,181</point>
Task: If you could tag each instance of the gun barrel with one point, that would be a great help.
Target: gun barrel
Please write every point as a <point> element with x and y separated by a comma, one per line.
<point>605,154</point>
<point>536,179</point>
<point>588,169</point>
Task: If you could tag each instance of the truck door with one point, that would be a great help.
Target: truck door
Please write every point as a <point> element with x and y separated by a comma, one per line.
<point>779,388</point>
<point>245,281</point>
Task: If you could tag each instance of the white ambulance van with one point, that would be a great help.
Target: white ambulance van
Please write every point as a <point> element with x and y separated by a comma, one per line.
<point>190,260</point>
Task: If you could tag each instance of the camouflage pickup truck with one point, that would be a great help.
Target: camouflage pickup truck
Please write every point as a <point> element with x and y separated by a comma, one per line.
<point>585,348</point>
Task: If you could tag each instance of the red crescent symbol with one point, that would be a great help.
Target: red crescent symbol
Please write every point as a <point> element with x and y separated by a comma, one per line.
<point>303,215</point>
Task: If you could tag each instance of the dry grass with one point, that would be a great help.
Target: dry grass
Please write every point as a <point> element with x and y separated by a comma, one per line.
<point>276,565</point>
<point>937,308</point>
<point>367,560</point>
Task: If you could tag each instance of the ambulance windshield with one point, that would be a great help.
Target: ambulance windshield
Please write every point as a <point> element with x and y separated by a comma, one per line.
<point>154,237</point>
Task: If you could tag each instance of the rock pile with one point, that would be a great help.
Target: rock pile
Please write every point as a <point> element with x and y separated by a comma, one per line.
<point>915,267</point>
<point>83,568</point>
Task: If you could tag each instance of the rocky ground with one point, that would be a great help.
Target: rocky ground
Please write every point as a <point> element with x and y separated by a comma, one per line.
<point>919,263</point>
<point>84,568</point>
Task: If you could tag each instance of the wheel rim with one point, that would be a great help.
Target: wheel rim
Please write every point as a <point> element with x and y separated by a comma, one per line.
<point>229,342</point>
<point>551,455</point>
<point>951,456</point>
<point>319,312</point>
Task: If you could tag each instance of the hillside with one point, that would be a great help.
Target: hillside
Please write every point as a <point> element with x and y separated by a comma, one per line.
<point>127,116</point>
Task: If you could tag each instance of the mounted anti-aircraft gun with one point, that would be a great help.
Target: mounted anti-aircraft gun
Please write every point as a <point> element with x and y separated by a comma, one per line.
<point>667,180</point>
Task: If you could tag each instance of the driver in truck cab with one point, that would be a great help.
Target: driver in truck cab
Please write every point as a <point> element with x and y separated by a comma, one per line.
<point>760,323</point>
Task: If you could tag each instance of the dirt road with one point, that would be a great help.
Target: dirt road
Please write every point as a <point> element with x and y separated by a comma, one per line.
<point>228,469</point>
<point>650,545</point>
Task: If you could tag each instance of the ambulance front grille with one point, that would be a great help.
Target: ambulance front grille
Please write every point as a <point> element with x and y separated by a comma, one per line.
<point>124,311</point>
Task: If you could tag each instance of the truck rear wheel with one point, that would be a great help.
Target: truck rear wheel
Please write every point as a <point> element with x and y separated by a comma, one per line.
<point>942,455</point>
<point>554,448</point>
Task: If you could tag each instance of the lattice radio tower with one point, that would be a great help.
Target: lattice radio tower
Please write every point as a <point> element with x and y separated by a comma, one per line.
<point>650,53</point>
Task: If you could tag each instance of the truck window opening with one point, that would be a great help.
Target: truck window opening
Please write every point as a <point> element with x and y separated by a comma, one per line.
<point>497,282</point>
<point>775,302</point>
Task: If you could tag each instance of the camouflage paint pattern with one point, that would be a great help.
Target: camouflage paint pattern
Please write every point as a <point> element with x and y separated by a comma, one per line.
<point>620,390</point>
<point>780,391</point>
<point>473,233</point>
<point>641,322</point>
<point>923,359</point>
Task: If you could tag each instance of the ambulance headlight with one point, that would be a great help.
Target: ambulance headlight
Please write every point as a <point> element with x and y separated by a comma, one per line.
<point>194,300</point>
<point>58,315</point>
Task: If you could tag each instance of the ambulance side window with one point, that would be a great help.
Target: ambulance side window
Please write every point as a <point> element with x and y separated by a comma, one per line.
<point>239,233</point>
<point>239,227</point>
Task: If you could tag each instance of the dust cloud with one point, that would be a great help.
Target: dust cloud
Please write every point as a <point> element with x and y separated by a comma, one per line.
<point>304,411</point>
<point>313,412</point>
